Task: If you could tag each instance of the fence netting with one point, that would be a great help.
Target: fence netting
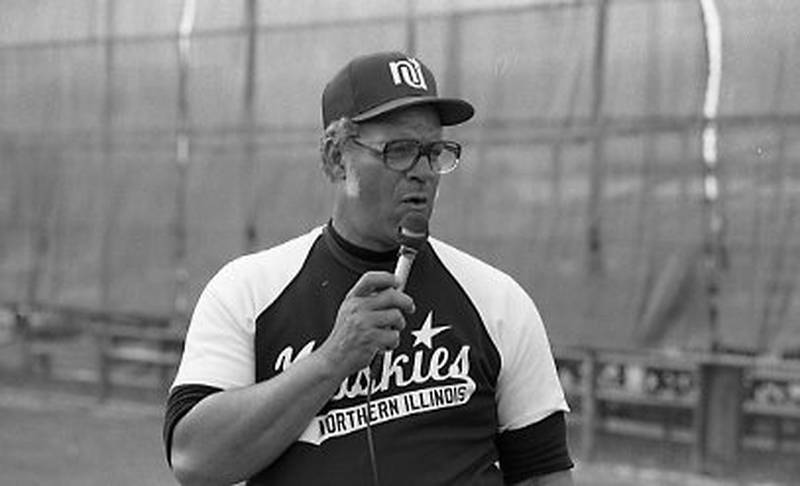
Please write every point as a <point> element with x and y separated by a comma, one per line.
<point>582,174</point>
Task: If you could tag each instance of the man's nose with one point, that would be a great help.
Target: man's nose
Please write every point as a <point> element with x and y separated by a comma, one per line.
<point>422,168</point>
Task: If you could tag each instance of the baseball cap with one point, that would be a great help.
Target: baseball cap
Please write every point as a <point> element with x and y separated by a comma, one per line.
<point>378,83</point>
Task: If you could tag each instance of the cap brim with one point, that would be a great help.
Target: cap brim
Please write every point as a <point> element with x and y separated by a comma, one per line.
<point>452,111</point>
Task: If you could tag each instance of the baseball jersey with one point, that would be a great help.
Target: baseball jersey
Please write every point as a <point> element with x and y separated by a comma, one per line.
<point>473,366</point>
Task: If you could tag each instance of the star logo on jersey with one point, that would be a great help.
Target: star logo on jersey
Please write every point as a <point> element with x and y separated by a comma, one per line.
<point>426,333</point>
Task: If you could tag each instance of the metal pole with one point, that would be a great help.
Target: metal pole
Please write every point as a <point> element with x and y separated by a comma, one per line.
<point>713,246</point>
<point>776,268</point>
<point>594,230</point>
<point>249,111</point>
<point>411,27</point>
<point>109,195</point>
<point>182,160</point>
<point>453,51</point>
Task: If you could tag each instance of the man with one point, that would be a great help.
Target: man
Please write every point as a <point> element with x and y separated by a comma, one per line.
<point>312,363</point>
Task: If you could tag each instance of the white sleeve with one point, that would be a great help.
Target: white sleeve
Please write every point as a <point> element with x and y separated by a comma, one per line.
<point>219,343</point>
<point>528,388</point>
<point>219,350</point>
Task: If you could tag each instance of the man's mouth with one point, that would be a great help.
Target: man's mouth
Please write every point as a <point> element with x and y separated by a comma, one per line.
<point>415,200</point>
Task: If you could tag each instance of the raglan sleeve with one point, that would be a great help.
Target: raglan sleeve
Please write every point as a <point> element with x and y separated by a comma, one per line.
<point>532,436</point>
<point>218,351</point>
<point>528,388</point>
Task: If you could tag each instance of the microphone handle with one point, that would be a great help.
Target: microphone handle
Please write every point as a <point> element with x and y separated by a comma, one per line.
<point>401,271</point>
<point>403,268</point>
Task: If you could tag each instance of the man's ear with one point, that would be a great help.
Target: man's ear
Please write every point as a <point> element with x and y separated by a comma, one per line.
<point>332,162</point>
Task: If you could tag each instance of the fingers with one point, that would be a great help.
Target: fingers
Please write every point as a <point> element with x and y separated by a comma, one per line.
<point>372,282</point>
<point>388,340</point>
<point>391,299</point>
<point>370,320</point>
<point>381,330</point>
<point>390,319</point>
<point>378,290</point>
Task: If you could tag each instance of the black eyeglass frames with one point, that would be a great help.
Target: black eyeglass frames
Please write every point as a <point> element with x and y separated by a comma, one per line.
<point>401,155</point>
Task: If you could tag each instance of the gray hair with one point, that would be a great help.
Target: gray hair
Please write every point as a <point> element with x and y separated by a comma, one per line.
<point>336,134</point>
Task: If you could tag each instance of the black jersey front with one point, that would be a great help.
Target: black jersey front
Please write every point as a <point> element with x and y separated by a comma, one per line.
<point>473,362</point>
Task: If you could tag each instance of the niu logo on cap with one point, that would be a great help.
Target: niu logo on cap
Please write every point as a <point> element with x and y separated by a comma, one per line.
<point>408,71</point>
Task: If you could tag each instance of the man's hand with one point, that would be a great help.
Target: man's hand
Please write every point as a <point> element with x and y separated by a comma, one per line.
<point>369,320</point>
<point>252,426</point>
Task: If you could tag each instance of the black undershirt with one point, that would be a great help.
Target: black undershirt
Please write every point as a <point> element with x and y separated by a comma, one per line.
<point>360,252</point>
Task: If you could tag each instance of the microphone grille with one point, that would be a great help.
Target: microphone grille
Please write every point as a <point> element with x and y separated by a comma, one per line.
<point>413,230</point>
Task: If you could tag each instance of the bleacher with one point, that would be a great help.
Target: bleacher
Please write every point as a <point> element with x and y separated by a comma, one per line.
<point>131,351</point>
<point>716,404</point>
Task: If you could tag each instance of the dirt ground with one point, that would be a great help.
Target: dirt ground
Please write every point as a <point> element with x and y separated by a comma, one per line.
<point>66,438</point>
<point>52,439</point>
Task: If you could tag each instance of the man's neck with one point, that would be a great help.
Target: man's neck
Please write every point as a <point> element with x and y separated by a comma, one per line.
<point>357,250</point>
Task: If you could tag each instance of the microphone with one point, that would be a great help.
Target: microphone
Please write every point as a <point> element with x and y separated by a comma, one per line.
<point>412,233</point>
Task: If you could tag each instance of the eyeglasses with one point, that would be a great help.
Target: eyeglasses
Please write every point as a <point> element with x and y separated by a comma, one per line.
<point>402,155</point>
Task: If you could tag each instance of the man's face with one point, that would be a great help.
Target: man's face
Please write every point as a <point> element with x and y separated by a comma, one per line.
<point>372,199</point>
